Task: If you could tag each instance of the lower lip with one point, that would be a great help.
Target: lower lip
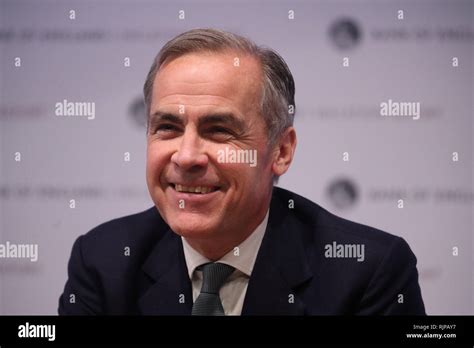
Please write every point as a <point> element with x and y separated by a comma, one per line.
<point>197,198</point>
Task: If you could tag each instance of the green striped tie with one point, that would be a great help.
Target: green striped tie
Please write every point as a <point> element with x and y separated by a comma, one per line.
<point>214,276</point>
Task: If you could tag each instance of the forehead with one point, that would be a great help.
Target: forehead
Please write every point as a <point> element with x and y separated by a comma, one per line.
<point>209,78</point>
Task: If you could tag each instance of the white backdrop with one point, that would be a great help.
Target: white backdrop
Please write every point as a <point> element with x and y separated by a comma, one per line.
<point>338,111</point>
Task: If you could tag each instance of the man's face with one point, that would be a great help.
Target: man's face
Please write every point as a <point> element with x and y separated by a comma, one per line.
<point>206,106</point>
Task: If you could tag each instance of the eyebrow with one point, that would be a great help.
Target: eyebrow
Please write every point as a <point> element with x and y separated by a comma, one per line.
<point>164,116</point>
<point>226,118</point>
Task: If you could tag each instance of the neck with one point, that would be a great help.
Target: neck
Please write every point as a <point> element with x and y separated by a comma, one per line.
<point>216,247</point>
<point>210,250</point>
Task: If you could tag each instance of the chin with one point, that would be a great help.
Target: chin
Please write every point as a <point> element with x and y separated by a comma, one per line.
<point>191,226</point>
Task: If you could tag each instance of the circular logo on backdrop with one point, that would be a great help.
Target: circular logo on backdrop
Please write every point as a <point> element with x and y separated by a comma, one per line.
<point>342,193</point>
<point>345,33</point>
<point>137,112</point>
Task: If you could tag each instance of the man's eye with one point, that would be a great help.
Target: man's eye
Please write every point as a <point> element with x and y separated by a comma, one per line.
<point>166,127</point>
<point>217,129</point>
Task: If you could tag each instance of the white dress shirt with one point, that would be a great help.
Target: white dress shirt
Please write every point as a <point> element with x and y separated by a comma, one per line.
<point>232,293</point>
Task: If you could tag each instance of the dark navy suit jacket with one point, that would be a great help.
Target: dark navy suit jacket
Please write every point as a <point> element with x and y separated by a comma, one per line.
<point>292,274</point>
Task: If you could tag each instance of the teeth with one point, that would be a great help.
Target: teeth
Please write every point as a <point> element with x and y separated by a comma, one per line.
<point>193,189</point>
<point>205,189</point>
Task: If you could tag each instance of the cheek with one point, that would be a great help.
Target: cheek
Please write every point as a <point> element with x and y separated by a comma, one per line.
<point>248,177</point>
<point>245,179</point>
<point>155,162</point>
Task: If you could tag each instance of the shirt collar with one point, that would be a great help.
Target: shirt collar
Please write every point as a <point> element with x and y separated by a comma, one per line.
<point>241,257</point>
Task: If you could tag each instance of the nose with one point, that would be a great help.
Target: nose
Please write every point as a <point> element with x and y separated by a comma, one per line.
<point>189,155</point>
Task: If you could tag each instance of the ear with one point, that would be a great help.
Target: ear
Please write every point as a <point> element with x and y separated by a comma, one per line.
<point>284,152</point>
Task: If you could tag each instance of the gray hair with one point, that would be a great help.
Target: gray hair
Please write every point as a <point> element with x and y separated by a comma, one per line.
<point>278,95</point>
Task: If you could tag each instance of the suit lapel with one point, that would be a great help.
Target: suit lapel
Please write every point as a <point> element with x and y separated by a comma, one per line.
<point>281,269</point>
<point>166,288</point>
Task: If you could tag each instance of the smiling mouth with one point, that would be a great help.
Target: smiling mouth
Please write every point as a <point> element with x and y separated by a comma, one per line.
<point>194,189</point>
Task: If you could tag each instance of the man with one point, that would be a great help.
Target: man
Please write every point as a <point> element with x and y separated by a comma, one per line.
<point>221,239</point>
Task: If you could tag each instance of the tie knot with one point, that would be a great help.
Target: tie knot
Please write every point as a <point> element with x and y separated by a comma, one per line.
<point>214,275</point>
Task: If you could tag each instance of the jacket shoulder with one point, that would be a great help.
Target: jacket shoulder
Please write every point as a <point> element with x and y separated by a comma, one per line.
<point>327,226</point>
<point>132,235</point>
<point>374,266</point>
